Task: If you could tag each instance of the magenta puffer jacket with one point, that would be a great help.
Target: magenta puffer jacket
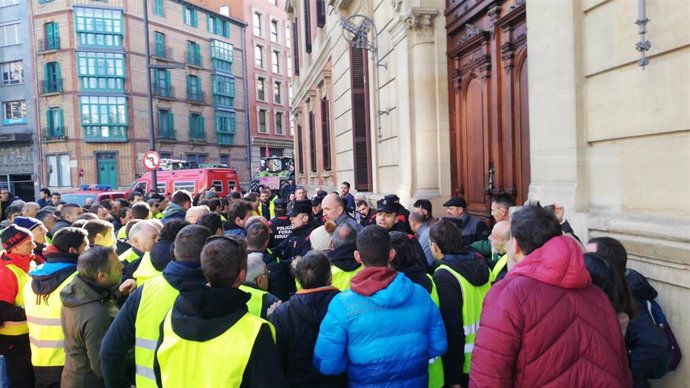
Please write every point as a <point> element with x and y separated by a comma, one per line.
<point>546,325</point>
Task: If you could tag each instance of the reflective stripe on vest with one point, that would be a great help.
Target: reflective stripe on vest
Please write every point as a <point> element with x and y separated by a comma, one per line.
<point>218,362</point>
<point>45,332</point>
<point>129,256</point>
<point>122,233</point>
<point>256,302</point>
<point>498,268</point>
<point>19,327</point>
<point>472,300</point>
<point>157,297</point>
<point>146,270</point>
<point>436,378</point>
<point>342,279</point>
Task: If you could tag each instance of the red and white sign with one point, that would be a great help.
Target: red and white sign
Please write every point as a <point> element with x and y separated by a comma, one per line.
<point>152,160</point>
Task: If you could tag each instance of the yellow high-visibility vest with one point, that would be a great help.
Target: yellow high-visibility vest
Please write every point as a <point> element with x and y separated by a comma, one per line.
<point>157,297</point>
<point>436,377</point>
<point>472,300</point>
<point>129,256</point>
<point>213,363</point>
<point>146,270</point>
<point>341,279</point>
<point>256,302</point>
<point>19,327</point>
<point>498,268</point>
<point>45,331</point>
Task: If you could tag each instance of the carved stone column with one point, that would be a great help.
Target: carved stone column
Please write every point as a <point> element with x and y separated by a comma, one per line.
<point>424,77</point>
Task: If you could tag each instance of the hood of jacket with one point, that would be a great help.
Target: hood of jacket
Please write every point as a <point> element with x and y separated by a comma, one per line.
<point>172,209</point>
<point>311,307</point>
<point>179,272</point>
<point>559,262</point>
<point>395,294</point>
<point>22,262</point>
<point>54,272</point>
<point>162,254</point>
<point>201,313</point>
<point>343,257</point>
<point>471,265</point>
<point>639,286</point>
<point>83,291</point>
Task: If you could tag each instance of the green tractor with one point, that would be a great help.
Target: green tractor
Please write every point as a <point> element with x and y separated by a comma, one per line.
<point>275,172</point>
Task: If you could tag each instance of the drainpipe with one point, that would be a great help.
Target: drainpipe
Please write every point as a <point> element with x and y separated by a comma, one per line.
<point>248,155</point>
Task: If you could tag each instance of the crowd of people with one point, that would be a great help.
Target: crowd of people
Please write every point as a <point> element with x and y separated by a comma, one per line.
<point>332,290</point>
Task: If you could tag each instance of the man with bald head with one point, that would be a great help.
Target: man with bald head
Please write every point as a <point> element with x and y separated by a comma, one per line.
<point>499,237</point>
<point>68,214</point>
<point>195,213</point>
<point>142,236</point>
<point>334,210</point>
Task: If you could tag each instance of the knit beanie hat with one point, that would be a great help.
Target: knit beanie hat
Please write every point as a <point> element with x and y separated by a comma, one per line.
<point>13,236</point>
<point>321,237</point>
<point>27,222</point>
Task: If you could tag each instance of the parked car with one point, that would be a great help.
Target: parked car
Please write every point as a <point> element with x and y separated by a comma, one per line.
<point>95,192</point>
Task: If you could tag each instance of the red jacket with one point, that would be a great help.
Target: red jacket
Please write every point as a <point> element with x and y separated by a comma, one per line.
<point>546,325</point>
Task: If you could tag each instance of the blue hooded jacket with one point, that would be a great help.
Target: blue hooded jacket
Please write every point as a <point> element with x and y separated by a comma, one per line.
<point>382,340</point>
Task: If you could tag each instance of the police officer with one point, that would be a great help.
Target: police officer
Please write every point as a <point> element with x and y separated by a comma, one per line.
<point>280,224</point>
<point>298,243</point>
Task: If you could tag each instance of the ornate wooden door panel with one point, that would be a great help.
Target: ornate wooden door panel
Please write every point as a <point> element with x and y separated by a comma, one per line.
<point>487,49</point>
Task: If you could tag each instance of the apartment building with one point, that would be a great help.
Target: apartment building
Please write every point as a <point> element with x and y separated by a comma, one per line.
<point>269,68</point>
<point>18,149</point>
<point>93,108</point>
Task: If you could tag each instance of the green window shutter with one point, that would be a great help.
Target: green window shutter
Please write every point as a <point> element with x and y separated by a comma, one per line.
<point>50,122</point>
<point>202,130</point>
<point>189,84</point>
<point>231,124</point>
<point>167,78</point>
<point>158,7</point>
<point>232,87</point>
<point>170,121</point>
<point>195,20</point>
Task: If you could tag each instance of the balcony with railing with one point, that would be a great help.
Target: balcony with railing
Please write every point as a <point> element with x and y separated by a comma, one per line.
<point>196,97</point>
<point>164,53</point>
<point>48,45</point>
<point>166,134</point>
<point>194,59</point>
<point>51,86</point>
<point>55,133</point>
<point>164,91</point>
<point>105,133</point>
<point>197,134</point>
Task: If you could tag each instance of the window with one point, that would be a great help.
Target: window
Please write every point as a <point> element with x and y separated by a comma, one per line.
<point>104,117</point>
<point>194,89</point>
<point>262,121</point>
<point>99,27</point>
<point>300,152</point>
<point>274,31</point>
<point>326,134</point>
<point>277,93</point>
<point>58,170</point>
<point>193,54</point>
<point>225,128</point>
<point>14,112</point>
<point>312,142</point>
<point>12,73</point>
<point>275,61</point>
<point>258,24</point>
<point>288,36</point>
<point>159,49</point>
<point>261,89</point>
<point>223,91</point>
<point>190,16</point>
<point>359,81</point>
<point>193,158</point>
<point>52,83</point>
<point>7,3</point>
<point>221,56</point>
<point>295,48</point>
<point>161,83</point>
<point>320,13</point>
<point>279,123</point>
<point>188,185</point>
<point>9,34</point>
<point>101,71</point>
<point>224,159</point>
<point>158,7</point>
<point>166,124</point>
<point>307,26</point>
<point>52,36</point>
<point>196,127</point>
<point>55,128</point>
<point>259,56</point>
<point>218,26</point>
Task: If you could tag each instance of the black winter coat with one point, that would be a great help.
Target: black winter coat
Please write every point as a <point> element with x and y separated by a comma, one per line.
<point>297,323</point>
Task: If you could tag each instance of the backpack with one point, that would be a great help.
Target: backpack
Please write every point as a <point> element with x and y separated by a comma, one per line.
<point>674,352</point>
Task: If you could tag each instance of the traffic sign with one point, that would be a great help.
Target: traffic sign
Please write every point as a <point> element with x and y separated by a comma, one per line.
<point>152,160</point>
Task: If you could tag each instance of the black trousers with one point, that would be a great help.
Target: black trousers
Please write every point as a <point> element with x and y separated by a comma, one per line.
<point>48,376</point>
<point>17,354</point>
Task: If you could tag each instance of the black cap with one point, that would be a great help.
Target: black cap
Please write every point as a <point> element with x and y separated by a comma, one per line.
<point>457,202</point>
<point>302,206</point>
<point>392,198</point>
<point>280,203</point>
<point>321,193</point>
<point>387,205</point>
<point>316,201</point>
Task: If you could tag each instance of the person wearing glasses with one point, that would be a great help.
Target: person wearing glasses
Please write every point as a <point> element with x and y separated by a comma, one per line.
<point>194,347</point>
<point>261,303</point>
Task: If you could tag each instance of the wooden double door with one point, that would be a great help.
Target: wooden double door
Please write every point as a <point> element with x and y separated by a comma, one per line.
<point>489,115</point>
